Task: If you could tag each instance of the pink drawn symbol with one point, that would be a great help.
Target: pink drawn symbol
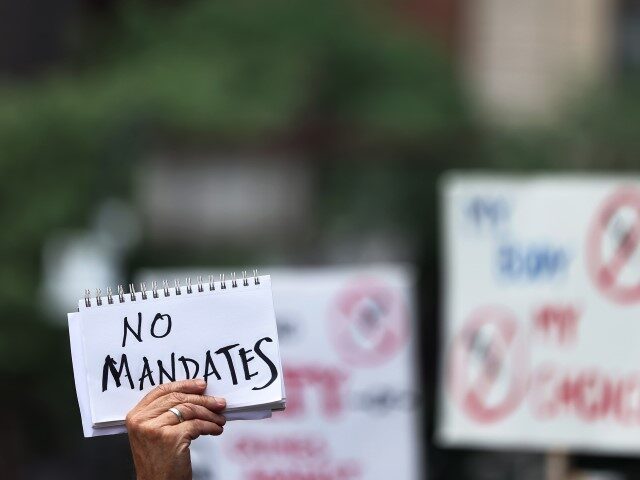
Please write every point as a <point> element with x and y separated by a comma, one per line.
<point>368,323</point>
<point>612,246</point>
<point>488,373</point>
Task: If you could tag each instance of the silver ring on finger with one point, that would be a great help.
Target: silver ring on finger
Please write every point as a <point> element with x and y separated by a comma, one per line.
<point>177,413</point>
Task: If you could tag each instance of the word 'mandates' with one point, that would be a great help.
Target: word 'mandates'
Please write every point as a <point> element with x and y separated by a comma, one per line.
<point>218,363</point>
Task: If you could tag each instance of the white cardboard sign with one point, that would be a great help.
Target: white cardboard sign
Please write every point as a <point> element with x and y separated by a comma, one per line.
<point>541,313</point>
<point>226,336</point>
<point>347,345</point>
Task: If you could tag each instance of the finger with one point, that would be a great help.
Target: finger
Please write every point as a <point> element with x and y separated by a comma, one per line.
<point>162,404</point>
<point>194,428</point>
<point>184,386</point>
<point>190,411</point>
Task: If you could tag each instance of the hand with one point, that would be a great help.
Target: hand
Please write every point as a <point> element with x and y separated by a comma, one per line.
<point>159,441</point>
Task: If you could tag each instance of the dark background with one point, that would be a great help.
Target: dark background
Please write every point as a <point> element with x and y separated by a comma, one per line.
<point>131,126</point>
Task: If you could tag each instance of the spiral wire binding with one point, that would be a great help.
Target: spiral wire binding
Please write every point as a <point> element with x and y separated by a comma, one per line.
<point>133,294</point>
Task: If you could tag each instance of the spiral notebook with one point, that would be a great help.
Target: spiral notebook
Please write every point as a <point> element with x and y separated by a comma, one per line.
<point>125,344</point>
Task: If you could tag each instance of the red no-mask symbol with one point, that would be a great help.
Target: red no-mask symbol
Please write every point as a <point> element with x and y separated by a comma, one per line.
<point>368,323</point>
<point>613,260</point>
<point>489,373</point>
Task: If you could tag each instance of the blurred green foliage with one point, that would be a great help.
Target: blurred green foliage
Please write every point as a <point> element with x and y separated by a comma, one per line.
<point>327,79</point>
<point>323,77</point>
<point>334,79</point>
<point>330,78</point>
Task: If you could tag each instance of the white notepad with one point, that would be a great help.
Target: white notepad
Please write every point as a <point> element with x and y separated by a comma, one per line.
<point>222,331</point>
<point>80,378</point>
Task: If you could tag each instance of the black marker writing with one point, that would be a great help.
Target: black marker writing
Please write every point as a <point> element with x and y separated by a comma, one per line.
<point>138,333</point>
<point>210,368</point>
<point>232,370</point>
<point>162,372</point>
<point>187,372</point>
<point>127,327</point>
<point>160,316</point>
<point>116,373</point>
<point>245,363</point>
<point>146,373</point>
<point>267,360</point>
<point>255,363</point>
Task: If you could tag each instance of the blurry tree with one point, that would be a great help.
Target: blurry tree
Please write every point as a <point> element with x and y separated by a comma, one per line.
<point>333,79</point>
<point>338,80</point>
<point>324,77</point>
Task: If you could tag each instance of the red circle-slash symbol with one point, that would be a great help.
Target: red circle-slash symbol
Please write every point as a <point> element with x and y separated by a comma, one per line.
<point>612,245</point>
<point>488,373</point>
<point>369,323</point>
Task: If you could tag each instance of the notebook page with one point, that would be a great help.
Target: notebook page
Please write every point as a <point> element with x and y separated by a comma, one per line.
<point>82,392</point>
<point>228,336</point>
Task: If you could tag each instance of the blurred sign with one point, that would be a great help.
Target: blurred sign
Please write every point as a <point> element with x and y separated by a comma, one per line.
<point>542,313</point>
<point>224,198</point>
<point>75,260</point>
<point>346,341</point>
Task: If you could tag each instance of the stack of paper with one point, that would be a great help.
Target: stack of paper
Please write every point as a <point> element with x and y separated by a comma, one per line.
<point>125,345</point>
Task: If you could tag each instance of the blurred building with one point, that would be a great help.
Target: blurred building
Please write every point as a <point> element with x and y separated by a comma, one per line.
<point>525,60</point>
<point>313,189</point>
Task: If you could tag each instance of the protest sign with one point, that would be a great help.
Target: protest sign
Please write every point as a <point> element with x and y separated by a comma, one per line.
<point>130,344</point>
<point>541,313</point>
<point>347,344</point>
